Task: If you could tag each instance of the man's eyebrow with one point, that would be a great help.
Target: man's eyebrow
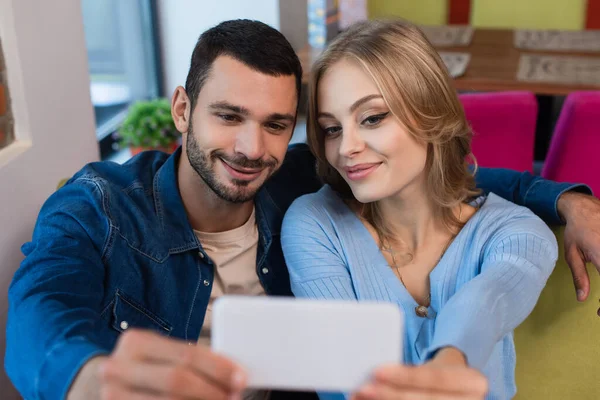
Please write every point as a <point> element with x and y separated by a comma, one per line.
<point>223,105</point>
<point>281,117</point>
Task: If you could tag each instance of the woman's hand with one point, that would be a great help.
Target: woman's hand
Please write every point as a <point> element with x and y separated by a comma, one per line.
<point>445,377</point>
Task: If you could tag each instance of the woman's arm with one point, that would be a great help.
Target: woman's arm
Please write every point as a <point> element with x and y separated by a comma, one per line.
<point>318,270</point>
<point>312,253</point>
<point>517,262</point>
<point>556,203</point>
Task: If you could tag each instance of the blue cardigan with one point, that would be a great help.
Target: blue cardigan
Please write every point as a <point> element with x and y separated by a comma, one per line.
<point>484,286</point>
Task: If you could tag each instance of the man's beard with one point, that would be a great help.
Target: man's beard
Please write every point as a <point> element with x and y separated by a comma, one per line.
<point>204,164</point>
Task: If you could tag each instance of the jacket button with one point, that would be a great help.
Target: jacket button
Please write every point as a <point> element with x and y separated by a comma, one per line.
<point>206,282</point>
<point>265,270</point>
<point>124,325</point>
<point>201,254</point>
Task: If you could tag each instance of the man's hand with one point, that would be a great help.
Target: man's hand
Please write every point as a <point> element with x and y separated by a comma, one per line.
<point>581,213</point>
<point>145,365</point>
<point>446,377</point>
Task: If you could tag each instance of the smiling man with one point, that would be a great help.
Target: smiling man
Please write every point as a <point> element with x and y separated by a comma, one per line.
<point>235,138</point>
<point>252,160</point>
<point>116,287</point>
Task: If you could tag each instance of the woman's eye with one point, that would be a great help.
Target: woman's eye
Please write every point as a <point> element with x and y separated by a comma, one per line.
<point>374,120</point>
<point>332,130</point>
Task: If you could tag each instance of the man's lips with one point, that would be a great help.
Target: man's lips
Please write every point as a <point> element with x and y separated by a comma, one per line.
<point>246,174</point>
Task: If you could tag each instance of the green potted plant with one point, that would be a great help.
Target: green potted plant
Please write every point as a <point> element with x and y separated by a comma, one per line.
<point>149,126</point>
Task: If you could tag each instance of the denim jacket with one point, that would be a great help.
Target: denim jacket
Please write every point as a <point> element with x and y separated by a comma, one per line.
<point>113,249</point>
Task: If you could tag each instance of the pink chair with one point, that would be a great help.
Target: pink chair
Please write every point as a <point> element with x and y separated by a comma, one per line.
<point>504,128</point>
<point>574,151</point>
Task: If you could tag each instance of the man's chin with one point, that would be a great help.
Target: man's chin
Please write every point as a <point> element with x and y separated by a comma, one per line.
<point>238,197</point>
<point>239,190</point>
<point>242,192</point>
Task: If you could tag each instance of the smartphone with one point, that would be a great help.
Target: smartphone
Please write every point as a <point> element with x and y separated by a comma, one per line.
<point>307,345</point>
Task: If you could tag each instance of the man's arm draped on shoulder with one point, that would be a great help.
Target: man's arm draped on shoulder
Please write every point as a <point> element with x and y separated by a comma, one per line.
<point>556,203</point>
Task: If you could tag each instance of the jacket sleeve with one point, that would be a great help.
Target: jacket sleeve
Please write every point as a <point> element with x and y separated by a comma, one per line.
<point>55,297</point>
<point>522,188</point>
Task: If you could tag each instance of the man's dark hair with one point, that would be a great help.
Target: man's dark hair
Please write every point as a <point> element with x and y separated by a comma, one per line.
<point>253,43</point>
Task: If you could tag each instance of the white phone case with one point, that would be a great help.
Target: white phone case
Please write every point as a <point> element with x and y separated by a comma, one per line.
<point>298,344</point>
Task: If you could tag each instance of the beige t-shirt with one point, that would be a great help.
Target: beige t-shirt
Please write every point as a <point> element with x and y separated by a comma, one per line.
<point>233,254</point>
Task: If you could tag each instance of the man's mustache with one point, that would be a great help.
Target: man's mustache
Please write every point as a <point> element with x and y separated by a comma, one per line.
<point>244,162</point>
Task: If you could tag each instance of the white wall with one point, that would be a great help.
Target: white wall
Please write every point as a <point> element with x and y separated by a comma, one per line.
<point>47,73</point>
<point>182,21</point>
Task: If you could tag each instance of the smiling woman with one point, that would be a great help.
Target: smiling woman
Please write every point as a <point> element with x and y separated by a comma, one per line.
<point>401,221</point>
<point>418,109</point>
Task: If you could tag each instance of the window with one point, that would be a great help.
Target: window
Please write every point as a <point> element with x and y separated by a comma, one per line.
<point>6,120</point>
<point>123,60</point>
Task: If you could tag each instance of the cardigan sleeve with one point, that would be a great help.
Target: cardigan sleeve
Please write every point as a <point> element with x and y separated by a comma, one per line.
<point>313,255</point>
<point>517,262</point>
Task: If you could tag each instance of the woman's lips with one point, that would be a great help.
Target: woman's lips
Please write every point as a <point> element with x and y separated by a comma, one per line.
<point>360,171</point>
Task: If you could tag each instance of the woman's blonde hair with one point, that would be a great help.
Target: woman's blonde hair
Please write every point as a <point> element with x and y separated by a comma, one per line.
<point>416,87</point>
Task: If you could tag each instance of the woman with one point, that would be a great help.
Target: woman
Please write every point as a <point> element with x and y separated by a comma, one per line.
<point>400,221</point>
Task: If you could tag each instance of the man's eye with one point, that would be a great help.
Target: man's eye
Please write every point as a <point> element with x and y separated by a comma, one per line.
<point>228,117</point>
<point>276,127</point>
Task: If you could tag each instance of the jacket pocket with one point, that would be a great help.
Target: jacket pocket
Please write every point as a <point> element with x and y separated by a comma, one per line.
<point>127,313</point>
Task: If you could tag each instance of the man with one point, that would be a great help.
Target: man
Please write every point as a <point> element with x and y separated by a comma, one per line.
<point>150,244</point>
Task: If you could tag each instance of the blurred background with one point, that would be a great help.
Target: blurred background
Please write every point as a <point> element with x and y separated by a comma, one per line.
<point>537,51</point>
<point>87,80</point>
<point>527,56</point>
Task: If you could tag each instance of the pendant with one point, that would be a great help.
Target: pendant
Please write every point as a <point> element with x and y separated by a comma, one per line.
<point>421,311</point>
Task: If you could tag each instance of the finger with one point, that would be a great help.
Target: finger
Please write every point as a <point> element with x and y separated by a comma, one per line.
<point>384,392</point>
<point>149,346</point>
<point>594,257</point>
<point>168,380</point>
<point>436,379</point>
<point>218,368</point>
<point>116,392</point>
<point>144,345</point>
<point>576,263</point>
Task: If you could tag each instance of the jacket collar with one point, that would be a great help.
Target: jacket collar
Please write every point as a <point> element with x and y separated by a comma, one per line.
<point>168,205</point>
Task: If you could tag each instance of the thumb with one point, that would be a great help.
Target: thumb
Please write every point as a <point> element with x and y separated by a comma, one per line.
<point>578,269</point>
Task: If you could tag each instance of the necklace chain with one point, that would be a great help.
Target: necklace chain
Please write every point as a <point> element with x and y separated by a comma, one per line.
<point>421,309</point>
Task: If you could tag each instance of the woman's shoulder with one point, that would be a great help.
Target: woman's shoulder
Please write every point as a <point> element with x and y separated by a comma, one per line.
<point>494,208</point>
<point>324,209</point>
<point>323,203</point>
<point>500,218</point>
